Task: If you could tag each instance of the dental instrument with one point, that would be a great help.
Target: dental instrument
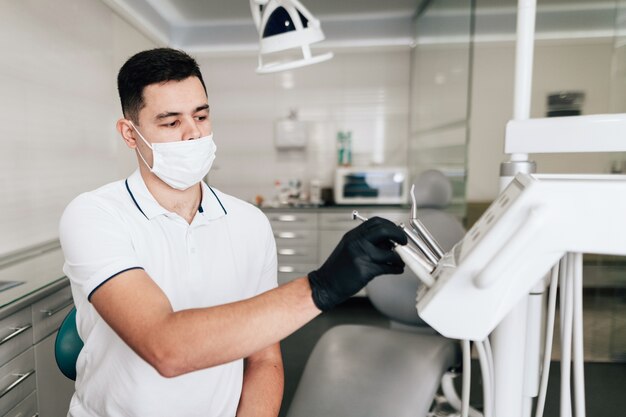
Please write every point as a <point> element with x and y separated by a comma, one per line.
<point>414,260</point>
<point>434,249</point>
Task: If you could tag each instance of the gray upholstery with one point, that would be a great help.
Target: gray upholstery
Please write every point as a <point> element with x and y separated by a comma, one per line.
<point>361,371</point>
<point>432,189</point>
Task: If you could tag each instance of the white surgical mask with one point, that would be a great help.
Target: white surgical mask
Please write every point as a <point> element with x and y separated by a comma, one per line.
<point>181,164</point>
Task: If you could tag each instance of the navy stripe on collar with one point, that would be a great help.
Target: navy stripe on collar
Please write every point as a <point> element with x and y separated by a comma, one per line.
<point>134,201</point>
<point>218,200</point>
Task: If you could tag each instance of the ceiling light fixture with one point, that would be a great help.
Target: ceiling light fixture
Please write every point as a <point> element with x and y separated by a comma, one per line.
<point>286,31</point>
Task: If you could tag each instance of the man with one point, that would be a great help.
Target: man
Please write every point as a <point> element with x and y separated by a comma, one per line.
<point>175,282</point>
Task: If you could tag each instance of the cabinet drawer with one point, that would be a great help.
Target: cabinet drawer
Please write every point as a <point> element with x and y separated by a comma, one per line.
<point>297,254</point>
<point>295,237</point>
<point>16,334</point>
<point>343,220</point>
<point>17,380</point>
<point>292,220</point>
<point>339,220</point>
<point>27,408</point>
<point>48,313</point>
<point>290,271</point>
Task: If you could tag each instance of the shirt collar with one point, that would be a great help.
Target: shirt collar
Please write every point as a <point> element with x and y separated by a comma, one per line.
<point>210,207</point>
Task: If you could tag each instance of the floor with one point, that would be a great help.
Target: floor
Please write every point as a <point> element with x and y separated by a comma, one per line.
<point>605,317</point>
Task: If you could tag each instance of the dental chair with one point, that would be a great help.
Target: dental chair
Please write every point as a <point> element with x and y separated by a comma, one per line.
<point>361,371</point>
<point>68,345</point>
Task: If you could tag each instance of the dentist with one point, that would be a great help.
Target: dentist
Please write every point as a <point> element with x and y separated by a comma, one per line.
<point>175,282</point>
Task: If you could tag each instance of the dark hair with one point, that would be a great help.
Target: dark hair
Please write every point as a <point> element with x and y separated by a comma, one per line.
<point>151,67</point>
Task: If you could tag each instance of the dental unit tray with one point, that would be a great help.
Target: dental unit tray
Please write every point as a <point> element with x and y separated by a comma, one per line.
<point>532,224</point>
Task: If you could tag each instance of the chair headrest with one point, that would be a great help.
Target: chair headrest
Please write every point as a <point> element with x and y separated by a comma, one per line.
<point>432,189</point>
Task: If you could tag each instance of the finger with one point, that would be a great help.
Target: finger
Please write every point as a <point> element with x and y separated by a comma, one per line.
<point>383,230</point>
<point>393,269</point>
<point>381,256</point>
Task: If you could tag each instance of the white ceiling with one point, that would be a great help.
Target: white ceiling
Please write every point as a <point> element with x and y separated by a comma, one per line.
<point>186,12</point>
<point>209,26</point>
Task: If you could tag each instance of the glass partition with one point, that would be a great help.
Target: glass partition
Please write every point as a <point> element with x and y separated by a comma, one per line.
<point>617,308</point>
<point>441,64</point>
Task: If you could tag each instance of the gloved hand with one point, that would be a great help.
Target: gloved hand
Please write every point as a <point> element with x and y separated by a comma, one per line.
<point>362,254</point>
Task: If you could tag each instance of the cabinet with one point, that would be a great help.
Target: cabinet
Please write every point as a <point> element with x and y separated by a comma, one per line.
<point>17,359</point>
<point>54,390</point>
<point>296,243</point>
<point>30,382</point>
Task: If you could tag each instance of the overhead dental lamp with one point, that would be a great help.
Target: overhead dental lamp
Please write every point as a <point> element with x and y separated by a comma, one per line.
<point>286,31</point>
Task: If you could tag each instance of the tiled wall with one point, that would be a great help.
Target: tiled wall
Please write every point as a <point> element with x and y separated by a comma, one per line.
<point>364,91</point>
<point>58,108</point>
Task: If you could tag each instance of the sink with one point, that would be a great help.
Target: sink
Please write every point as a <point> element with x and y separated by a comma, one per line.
<point>5,285</point>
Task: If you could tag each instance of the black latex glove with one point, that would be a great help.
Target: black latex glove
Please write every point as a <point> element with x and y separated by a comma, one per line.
<point>362,254</point>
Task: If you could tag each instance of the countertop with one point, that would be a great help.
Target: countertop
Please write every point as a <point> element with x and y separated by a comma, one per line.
<point>317,209</point>
<point>42,274</point>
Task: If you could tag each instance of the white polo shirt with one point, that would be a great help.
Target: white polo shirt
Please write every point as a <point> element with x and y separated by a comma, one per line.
<point>226,254</point>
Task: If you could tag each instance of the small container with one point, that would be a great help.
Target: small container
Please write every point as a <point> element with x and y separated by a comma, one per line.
<point>315,192</point>
<point>344,148</point>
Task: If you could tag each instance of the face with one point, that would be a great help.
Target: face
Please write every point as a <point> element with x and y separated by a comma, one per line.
<point>173,111</point>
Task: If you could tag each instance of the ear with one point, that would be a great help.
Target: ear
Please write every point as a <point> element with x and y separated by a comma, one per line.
<point>127,132</point>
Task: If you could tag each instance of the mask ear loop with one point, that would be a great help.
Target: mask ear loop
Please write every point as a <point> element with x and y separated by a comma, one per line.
<point>145,141</point>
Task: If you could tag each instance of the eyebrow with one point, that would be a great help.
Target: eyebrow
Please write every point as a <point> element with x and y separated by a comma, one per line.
<point>165,115</point>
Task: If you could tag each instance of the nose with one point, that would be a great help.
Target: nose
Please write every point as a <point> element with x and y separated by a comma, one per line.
<point>191,130</point>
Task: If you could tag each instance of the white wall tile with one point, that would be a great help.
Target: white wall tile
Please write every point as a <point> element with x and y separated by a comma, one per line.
<point>57,110</point>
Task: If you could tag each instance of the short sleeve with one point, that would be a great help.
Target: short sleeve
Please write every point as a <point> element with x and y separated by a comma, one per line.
<point>96,244</point>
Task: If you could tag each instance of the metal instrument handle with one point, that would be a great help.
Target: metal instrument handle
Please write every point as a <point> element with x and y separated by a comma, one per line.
<point>423,232</point>
<point>17,382</point>
<point>52,311</point>
<point>421,245</point>
<point>18,331</point>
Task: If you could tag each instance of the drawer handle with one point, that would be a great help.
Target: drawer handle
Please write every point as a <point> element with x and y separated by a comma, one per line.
<point>18,381</point>
<point>52,311</point>
<point>286,269</point>
<point>287,252</point>
<point>18,331</point>
<point>287,218</point>
<point>286,235</point>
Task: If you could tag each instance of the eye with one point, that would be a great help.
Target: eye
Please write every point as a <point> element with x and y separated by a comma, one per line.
<point>174,123</point>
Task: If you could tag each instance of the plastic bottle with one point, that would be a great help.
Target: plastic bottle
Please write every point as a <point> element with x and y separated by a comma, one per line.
<point>348,149</point>
<point>340,148</point>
